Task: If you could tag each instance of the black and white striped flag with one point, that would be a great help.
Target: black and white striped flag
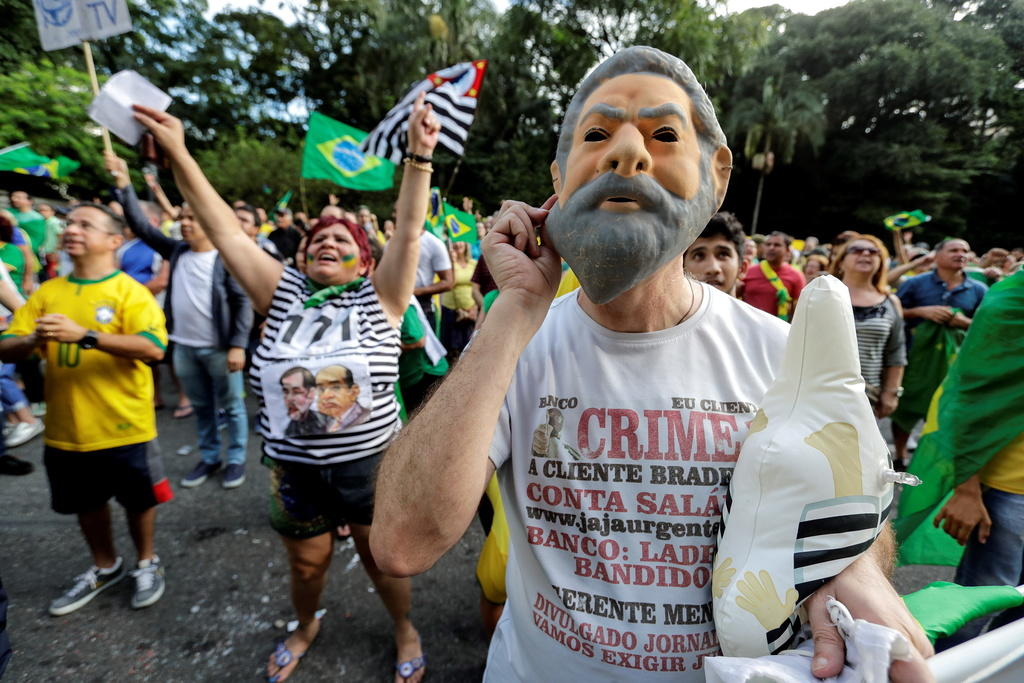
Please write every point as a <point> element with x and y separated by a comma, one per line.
<point>452,92</point>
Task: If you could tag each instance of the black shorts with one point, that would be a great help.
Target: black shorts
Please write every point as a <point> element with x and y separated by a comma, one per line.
<point>82,481</point>
<point>310,500</point>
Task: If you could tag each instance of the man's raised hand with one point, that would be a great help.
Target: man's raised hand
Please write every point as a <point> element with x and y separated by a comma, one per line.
<point>118,168</point>
<point>168,130</point>
<point>521,267</point>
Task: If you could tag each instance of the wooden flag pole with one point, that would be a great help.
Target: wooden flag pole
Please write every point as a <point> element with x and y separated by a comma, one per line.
<point>87,49</point>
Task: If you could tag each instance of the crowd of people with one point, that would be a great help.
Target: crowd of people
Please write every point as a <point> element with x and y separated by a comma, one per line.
<point>355,331</point>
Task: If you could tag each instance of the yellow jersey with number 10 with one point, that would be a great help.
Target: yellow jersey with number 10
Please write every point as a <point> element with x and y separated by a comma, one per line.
<point>95,400</point>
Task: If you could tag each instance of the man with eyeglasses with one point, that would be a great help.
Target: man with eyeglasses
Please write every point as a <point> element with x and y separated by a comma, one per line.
<point>97,329</point>
<point>337,393</point>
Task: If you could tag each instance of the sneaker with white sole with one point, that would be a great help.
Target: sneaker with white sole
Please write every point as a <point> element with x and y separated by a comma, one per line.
<point>199,474</point>
<point>234,475</point>
<point>23,432</point>
<point>86,587</point>
<point>149,583</point>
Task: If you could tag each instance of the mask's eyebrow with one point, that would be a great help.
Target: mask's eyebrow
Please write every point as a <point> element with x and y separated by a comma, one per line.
<point>663,110</point>
<point>607,111</point>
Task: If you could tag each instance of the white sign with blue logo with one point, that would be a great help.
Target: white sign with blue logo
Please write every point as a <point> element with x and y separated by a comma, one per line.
<point>63,23</point>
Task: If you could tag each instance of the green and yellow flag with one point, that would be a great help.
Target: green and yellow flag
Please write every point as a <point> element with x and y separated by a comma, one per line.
<point>21,159</point>
<point>461,226</point>
<point>332,153</point>
<point>282,203</point>
<point>973,416</point>
<point>434,222</point>
<point>905,220</point>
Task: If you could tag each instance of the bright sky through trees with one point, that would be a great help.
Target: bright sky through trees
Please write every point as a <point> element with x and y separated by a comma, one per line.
<point>281,7</point>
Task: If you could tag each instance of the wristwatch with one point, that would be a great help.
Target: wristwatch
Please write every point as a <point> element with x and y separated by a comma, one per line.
<point>894,390</point>
<point>89,341</point>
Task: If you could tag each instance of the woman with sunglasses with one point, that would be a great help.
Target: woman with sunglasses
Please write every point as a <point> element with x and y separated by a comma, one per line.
<point>861,263</point>
<point>324,373</point>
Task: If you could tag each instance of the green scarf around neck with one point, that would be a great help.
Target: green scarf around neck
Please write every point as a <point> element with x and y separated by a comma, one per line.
<point>319,293</point>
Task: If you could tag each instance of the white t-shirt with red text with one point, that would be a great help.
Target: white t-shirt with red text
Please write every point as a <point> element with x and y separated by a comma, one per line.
<point>614,452</point>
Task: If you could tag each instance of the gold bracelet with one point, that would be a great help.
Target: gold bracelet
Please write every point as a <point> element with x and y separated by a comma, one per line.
<point>428,168</point>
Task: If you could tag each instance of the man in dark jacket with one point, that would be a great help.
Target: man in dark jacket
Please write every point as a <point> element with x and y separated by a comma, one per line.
<point>208,319</point>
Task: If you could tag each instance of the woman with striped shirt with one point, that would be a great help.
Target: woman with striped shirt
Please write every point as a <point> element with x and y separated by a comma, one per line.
<point>878,317</point>
<point>324,373</point>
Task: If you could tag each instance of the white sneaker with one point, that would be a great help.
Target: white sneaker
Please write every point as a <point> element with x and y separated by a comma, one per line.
<point>149,583</point>
<point>23,432</point>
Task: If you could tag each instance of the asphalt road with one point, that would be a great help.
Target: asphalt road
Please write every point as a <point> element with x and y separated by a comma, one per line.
<point>227,597</point>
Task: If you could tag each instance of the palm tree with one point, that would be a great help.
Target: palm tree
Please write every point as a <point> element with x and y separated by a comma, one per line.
<point>787,112</point>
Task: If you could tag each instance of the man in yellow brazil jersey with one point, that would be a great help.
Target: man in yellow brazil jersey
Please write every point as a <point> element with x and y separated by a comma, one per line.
<point>97,328</point>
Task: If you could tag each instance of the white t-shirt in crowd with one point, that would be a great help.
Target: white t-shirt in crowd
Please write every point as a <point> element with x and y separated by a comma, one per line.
<point>613,526</point>
<point>192,299</point>
<point>433,258</point>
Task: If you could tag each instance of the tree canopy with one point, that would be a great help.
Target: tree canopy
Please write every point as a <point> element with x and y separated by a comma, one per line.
<point>870,108</point>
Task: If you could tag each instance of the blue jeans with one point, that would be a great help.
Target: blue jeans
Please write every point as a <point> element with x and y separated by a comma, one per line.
<point>997,562</point>
<point>11,396</point>
<point>203,372</point>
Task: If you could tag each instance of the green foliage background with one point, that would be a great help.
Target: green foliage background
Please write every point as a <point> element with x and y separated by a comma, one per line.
<point>871,108</point>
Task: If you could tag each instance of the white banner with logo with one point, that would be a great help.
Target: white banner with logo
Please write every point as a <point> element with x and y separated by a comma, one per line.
<point>63,23</point>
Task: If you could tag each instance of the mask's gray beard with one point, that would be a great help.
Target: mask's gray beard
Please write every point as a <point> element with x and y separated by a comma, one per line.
<point>612,252</point>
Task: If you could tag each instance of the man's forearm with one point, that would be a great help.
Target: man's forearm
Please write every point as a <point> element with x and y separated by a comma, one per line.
<point>137,220</point>
<point>9,297</point>
<point>163,201</point>
<point>134,346</point>
<point>435,288</point>
<point>882,552</point>
<point>17,348</point>
<point>431,479</point>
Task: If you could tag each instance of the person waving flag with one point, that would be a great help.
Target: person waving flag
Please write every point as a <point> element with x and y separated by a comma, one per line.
<point>452,93</point>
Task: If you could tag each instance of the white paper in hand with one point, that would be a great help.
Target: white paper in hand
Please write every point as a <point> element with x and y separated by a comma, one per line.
<point>113,106</point>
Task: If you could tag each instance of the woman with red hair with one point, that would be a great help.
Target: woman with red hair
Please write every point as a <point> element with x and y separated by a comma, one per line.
<point>324,373</point>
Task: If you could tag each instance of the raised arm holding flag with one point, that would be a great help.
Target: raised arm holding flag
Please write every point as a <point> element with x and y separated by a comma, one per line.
<point>452,93</point>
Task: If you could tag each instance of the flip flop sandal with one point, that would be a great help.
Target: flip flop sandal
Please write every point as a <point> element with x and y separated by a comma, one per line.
<point>407,669</point>
<point>181,412</point>
<point>282,658</point>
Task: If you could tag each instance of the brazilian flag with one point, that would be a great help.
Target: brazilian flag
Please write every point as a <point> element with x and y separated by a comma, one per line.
<point>282,203</point>
<point>460,226</point>
<point>905,220</point>
<point>332,153</point>
<point>434,222</point>
<point>21,159</point>
<point>973,416</point>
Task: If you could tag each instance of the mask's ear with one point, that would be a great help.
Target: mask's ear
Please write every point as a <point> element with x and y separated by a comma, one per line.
<point>721,170</point>
<point>556,177</point>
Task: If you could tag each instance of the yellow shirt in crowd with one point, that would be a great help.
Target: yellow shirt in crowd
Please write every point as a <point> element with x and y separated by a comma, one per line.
<point>1005,471</point>
<point>95,400</point>
<point>461,296</point>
